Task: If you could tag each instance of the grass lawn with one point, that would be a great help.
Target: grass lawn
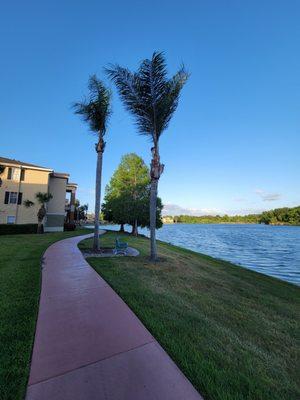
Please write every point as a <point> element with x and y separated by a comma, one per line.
<point>20,276</point>
<point>233,332</point>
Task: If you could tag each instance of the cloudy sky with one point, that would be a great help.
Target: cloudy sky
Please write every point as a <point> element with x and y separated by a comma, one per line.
<point>233,144</point>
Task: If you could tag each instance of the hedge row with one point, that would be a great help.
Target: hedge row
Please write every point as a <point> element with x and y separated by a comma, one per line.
<point>12,229</point>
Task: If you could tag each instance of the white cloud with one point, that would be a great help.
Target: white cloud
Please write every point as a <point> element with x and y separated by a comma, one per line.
<point>245,211</point>
<point>266,196</point>
<point>174,209</point>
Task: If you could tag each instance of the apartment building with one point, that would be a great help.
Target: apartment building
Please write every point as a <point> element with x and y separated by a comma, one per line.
<point>20,181</point>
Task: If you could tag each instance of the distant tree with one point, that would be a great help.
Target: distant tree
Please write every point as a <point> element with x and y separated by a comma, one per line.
<point>42,199</point>
<point>128,194</point>
<point>80,211</point>
<point>115,207</point>
<point>278,216</point>
<point>281,216</point>
<point>152,98</point>
<point>144,215</point>
<point>217,219</point>
<point>96,110</point>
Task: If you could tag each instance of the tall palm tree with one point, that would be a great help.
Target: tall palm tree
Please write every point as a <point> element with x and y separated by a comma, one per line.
<point>96,110</point>
<point>152,98</point>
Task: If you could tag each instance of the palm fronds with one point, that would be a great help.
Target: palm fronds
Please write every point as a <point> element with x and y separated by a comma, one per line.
<point>28,203</point>
<point>96,108</point>
<point>43,198</point>
<point>148,94</point>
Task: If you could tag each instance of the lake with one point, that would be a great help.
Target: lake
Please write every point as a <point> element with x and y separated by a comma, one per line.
<point>271,250</point>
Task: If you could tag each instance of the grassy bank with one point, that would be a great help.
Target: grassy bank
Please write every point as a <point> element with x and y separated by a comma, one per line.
<point>20,275</point>
<point>230,330</point>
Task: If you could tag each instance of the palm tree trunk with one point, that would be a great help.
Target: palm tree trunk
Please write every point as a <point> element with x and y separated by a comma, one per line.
<point>156,170</point>
<point>134,231</point>
<point>96,244</point>
<point>122,228</point>
<point>41,215</point>
<point>153,201</point>
<point>40,226</point>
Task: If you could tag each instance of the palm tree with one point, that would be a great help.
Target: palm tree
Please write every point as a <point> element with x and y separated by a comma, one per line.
<point>152,98</point>
<point>96,110</point>
<point>43,199</point>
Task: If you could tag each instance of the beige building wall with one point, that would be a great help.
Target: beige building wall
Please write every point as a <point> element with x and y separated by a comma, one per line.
<point>56,206</point>
<point>34,181</point>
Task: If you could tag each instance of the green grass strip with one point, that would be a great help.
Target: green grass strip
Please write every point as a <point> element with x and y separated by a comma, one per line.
<point>20,282</point>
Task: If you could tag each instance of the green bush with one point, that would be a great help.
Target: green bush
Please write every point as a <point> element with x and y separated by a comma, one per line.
<point>12,229</point>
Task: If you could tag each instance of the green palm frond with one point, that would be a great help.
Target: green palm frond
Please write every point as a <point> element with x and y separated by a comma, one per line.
<point>28,203</point>
<point>96,108</point>
<point>43,198</point>
<point>148,94</point>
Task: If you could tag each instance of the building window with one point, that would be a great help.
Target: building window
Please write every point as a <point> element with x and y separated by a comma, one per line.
<point>13,198</point>
<point>9,172</point>
<point>22,174</point>
<point>11,219</point>
<point>13,174</point>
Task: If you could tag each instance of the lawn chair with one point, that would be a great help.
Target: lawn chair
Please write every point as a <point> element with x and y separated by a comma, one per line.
<point>121,247</point>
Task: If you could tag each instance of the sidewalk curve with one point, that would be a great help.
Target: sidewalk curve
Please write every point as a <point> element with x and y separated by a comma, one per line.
<point>89,345</point>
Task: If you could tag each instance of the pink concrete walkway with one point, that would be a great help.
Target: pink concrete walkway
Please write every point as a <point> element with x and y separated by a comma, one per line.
<point>89,345</point>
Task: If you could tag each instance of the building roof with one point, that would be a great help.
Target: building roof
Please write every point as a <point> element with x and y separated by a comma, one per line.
<point>11,161</point>
<point>60,175</point>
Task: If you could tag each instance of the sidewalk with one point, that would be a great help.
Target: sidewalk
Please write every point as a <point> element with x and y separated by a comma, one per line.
<point>89,345</point>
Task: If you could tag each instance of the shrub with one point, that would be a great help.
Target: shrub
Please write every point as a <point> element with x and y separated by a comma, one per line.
<point>12,229</point>
<point>69,226</point>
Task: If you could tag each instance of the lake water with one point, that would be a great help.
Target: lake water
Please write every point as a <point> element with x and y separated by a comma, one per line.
<point>271,250</point>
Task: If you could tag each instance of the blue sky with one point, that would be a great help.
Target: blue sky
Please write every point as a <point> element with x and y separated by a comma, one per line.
<point>233,144</point>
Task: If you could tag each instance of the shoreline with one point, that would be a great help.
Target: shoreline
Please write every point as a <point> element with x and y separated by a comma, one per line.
<point>227,223</point>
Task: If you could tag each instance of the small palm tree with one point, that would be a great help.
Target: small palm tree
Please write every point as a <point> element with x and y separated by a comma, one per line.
<point>96,110</point>
<point>43,199</point>
<point>152,98</point>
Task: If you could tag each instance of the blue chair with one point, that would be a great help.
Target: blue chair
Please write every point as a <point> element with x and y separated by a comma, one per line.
<point>121,247</point>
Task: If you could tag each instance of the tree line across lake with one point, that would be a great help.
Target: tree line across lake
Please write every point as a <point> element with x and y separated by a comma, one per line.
<point>278,216</point>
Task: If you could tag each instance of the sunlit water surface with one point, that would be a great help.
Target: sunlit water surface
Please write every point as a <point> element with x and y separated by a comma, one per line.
<point>271,250</point>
